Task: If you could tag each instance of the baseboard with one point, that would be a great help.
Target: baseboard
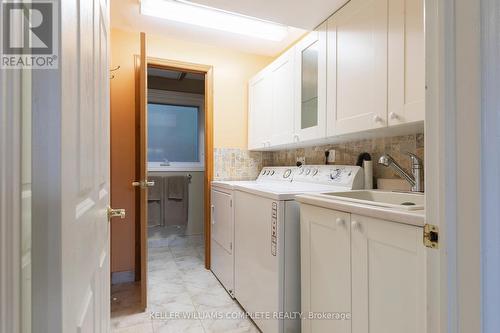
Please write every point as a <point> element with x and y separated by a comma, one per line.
<point>122,277</point>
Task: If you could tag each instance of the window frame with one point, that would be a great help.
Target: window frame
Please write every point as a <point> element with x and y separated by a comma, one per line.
<point>156,96</point>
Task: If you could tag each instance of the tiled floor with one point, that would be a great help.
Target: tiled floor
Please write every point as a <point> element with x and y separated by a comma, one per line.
<point>179,285</point>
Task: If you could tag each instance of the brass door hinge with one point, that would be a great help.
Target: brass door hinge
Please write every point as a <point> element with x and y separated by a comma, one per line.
<point>431,236</point>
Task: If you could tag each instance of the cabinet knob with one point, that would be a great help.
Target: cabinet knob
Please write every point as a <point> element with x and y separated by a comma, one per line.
<point>356,225</point>
<point>377,119</point>
<point>340,222</point>
<point>393,116</point>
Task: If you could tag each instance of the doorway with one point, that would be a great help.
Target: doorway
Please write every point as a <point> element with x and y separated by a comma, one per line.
<point>173,169</point>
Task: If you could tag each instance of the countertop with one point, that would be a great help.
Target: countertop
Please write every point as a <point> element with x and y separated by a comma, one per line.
<point>413,217</point>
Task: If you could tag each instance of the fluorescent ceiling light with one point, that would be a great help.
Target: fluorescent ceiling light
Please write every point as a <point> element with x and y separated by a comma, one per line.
<point>187,12</point>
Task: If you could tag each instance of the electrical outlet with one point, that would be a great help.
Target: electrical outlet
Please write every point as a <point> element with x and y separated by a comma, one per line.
<point>331,156</point>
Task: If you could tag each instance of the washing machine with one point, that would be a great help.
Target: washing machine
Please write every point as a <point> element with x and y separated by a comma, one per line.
<point>267,242</point>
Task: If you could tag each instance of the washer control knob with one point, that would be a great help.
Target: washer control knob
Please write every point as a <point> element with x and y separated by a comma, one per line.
<point>315,172</point>
<point>273,172</point>
<point>287,173</point>
<point>335,174</point>
<point>308,171</point>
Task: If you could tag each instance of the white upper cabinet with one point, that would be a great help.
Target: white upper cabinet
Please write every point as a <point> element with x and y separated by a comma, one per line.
<point>362,69</point>
<point>357,67</point>
<point>260,105</point>
<point>406,61</point>
<point>282,71</point>
<point>310,86</point>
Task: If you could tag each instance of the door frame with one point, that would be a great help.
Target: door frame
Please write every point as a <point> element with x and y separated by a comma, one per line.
<point>207,70</point>
<point>453,163</point>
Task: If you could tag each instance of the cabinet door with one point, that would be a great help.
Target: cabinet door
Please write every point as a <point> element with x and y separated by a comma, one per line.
<point>388,277</point>
<point>283,99</point>
<point>325,268</point>
<point>260,100</point>
<point>406,61</point>
<point>222,220</point>
<point>310,91</point>
<point>357,67</point>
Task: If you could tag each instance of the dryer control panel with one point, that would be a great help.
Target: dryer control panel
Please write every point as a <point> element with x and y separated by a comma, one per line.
<point>281,174</point>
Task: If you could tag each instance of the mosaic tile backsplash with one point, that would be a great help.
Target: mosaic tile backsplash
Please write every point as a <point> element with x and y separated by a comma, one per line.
<point>240,164</point>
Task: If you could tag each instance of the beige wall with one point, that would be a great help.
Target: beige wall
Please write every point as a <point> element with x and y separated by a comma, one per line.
<point>231,71</point>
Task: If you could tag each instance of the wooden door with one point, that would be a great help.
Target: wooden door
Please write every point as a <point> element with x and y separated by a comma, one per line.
<point>310,86</point>
<point>406,69</point>
<point>357,67</point>
<point>388,277</point>
<point>84,166</point>
<point>325,268</point>
<point>282,72</point>
<point>260,100</point>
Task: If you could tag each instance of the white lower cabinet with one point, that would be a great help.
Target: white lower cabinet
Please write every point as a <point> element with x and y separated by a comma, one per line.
<point>371,268</point>
<point>325,268</point>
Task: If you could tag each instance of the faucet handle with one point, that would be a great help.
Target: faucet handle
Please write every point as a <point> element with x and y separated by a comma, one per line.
<point>415,160</point>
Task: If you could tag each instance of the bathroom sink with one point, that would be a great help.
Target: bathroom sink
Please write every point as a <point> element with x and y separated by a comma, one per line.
<point>397,200</point>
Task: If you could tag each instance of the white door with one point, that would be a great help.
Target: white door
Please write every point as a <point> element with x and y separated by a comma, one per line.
<point>85,75</point>
<point>260,100</point>
<point>406,59</point>
<point>283,87</point>
<point>357,67</point>
<point>222,237</point>
<point>310,86</point>
<point>388,277</point>
<point>325,268</point>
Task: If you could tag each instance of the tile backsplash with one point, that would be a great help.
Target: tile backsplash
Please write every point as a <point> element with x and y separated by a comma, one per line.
<point>240,164</point>
<point>236,164</point>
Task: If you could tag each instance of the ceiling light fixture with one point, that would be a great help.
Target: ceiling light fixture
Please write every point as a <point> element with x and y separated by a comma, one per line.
<point>188,12</point>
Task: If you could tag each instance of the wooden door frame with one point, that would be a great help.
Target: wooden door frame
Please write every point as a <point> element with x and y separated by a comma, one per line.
<point>207,70</point>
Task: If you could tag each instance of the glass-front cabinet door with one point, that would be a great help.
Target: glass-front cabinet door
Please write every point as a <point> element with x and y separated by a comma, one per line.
<point>310,117</point>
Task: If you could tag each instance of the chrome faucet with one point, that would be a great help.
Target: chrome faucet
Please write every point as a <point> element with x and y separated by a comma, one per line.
<point>415,179</point>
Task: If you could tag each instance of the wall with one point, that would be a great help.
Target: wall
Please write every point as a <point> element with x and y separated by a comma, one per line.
<point>347,153</point>
<point>231,71</point>
<point>236,164</point>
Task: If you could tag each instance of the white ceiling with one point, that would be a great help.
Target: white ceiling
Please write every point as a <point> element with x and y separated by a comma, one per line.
<point>304,14</point>
<point>125,15</point>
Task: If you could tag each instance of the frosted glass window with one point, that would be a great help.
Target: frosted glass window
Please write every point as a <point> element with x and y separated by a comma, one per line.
<point>173,133</point>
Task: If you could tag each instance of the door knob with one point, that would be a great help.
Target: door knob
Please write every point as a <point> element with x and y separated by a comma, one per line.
<point>116,213</point>
<point>340,222</point>
<point>143,184</point>
<point>356,225</point>
<point>393,116</point>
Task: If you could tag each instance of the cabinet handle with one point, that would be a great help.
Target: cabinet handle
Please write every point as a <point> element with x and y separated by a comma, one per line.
<point>212,207</point>
<point>393,116</point>
<point>356,225</point>
<point>340,222</point>
<point>377,119</point>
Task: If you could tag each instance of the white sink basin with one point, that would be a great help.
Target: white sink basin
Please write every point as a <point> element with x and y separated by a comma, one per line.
<point>397,200</point>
